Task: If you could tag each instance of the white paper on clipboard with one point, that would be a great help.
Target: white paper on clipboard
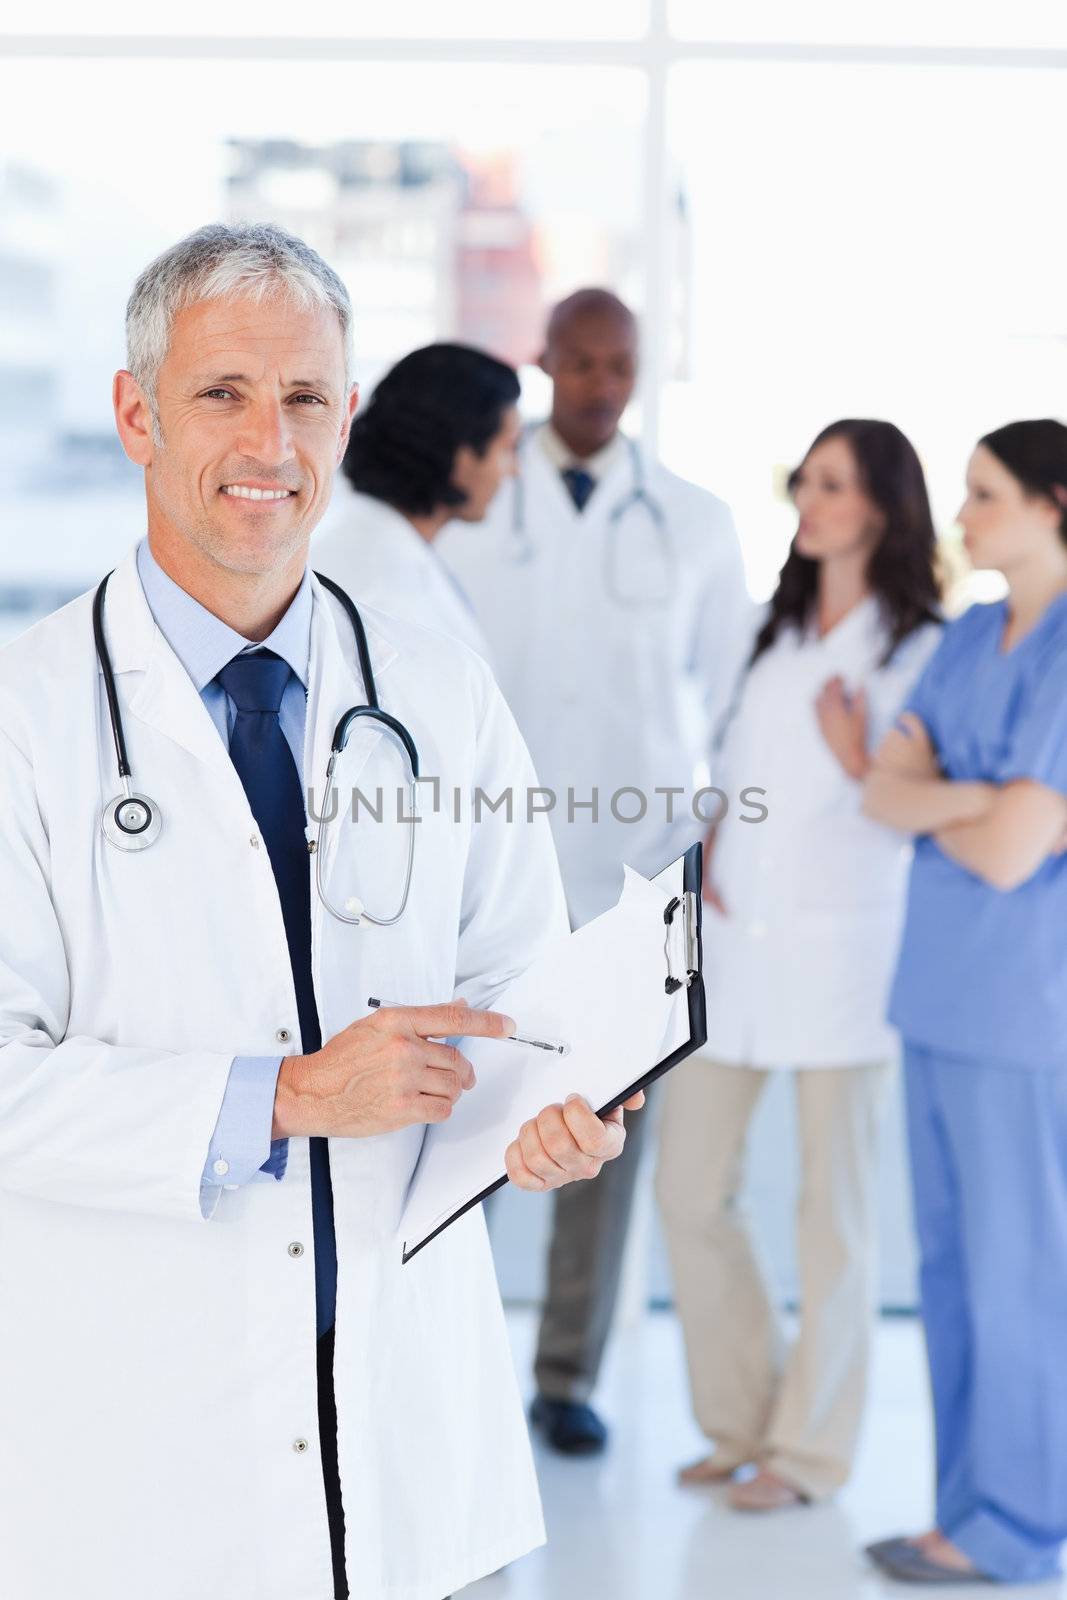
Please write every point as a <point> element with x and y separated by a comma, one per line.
<point>601,992</point>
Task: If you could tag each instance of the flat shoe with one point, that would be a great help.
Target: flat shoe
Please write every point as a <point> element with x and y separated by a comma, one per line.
<point>706,1470</point>
<point>763,1493</point>
<point>883,1547</point>
<point>901,1560</point>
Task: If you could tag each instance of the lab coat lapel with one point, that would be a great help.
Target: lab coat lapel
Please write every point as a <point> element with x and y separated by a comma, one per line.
<point>854,645</point>
<point>165,696</point>
<point>548,502</point>
<point>548,491</point>
<point>610,490</point>
<point>335,683</point>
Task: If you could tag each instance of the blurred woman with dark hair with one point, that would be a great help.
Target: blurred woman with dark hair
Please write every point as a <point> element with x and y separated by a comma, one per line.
<point>435,442</point>
<point>802,918</point>
<point>977,769</point>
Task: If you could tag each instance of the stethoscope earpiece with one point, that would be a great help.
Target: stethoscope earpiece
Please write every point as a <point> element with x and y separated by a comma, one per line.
<point>131,822</point>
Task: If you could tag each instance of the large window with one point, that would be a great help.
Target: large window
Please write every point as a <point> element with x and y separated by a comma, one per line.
<point>866,240</point>
<point>457,200</point>
<point>818,210</point>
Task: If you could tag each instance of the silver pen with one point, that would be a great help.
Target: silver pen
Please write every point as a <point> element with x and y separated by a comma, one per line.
<point>509,1038</point>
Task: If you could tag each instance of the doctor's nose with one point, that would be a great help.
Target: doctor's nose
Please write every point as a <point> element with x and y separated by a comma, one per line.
<point>265,433</point>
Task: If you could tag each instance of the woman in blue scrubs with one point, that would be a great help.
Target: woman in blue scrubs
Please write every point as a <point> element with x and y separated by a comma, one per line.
<point>977,769</point>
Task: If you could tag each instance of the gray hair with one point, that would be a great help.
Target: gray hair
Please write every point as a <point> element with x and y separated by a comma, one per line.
<point>218,262</point>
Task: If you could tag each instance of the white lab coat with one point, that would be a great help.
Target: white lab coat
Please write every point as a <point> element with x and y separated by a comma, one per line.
<point>158,1369</point>
<point>609,695</point>
<point>373,551</point>
<point>797,974</point>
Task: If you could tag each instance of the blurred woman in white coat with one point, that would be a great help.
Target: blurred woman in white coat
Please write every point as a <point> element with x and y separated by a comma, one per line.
<point>435,443</point>
<point>800,934</point>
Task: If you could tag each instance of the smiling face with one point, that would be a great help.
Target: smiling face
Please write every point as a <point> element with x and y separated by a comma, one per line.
<point>253,413</point>
<point>837,515</point>
<point>1003,526</point>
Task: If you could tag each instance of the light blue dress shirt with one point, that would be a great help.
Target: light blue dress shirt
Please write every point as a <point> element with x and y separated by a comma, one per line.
<point>241,1148</point>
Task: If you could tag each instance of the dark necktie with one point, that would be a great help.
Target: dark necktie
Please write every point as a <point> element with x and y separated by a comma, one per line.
<point>264,762</point>
<point>580,483</point>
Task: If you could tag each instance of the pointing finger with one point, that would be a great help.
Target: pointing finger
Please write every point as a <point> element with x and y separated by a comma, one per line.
<point>456,1017</point>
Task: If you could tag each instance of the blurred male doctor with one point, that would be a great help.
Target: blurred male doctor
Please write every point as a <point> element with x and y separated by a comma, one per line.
<point>613,598</point>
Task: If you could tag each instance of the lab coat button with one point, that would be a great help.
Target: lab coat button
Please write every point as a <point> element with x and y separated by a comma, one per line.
<point>296,1248</point>
<point>283,1036</point>
<point>300,1445</point>
<point>221,1168</point>
<point>254,841</point>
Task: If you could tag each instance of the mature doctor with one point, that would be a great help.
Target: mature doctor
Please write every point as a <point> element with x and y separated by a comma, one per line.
<point>214,1371</point>
<point>436,441</point>
<point>612,595</point>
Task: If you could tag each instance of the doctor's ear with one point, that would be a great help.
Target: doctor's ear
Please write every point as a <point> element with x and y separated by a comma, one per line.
<point>351,407</point>
<point>133,418</point>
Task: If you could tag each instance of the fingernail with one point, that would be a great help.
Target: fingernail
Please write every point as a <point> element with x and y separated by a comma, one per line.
<point>510,1025</point>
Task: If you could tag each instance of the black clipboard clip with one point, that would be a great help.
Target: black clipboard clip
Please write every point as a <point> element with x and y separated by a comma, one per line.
<point>687,904</point>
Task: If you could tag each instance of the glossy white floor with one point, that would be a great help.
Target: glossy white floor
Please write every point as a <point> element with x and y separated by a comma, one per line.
<point>620,1529</point>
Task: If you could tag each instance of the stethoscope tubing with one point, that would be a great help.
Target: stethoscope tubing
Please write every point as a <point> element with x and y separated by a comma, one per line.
<point>146,813</point>
<point>638,494</point>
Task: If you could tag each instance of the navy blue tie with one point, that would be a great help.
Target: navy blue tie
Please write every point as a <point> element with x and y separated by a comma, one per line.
<point>259,750</point>
<point>580,483</point>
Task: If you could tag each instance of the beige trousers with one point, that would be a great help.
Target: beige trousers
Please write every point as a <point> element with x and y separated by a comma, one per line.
<point>798,1414</point>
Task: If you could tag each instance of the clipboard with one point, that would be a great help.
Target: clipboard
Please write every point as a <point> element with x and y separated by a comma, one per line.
<point>675,925</point>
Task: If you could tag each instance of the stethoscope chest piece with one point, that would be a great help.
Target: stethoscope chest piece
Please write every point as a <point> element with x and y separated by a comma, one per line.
<point>131,822</point>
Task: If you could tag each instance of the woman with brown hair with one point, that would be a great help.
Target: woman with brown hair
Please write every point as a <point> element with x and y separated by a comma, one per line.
<point>802,918</point>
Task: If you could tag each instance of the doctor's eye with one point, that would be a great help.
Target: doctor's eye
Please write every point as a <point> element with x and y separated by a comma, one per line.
<point>315,399</point>
<point>217,394</point>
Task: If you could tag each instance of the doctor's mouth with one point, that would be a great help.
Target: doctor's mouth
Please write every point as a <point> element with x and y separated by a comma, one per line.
<point>627,804</point>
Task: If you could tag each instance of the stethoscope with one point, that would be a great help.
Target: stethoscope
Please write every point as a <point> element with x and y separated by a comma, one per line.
<point>133,821</point>
<point>638,495</point>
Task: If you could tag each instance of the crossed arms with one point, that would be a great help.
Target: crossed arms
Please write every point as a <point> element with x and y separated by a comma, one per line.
<point>1000,832</point>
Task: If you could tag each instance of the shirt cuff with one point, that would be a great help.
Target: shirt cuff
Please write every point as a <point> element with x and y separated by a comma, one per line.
<point>241,1147</point>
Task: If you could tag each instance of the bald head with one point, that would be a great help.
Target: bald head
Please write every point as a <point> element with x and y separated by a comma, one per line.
<point>591,356</point>
<point>598,305</point>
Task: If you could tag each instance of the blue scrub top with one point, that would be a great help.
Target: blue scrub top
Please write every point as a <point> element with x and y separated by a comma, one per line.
<point>983,972</point>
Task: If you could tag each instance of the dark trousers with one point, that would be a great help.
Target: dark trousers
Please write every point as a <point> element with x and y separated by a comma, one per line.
<point>331,1479</point>
<point>590,1223</point>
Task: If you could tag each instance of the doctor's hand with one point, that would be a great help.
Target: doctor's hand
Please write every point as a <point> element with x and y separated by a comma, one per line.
<point>384,1072</point>
<point>567,1142</point>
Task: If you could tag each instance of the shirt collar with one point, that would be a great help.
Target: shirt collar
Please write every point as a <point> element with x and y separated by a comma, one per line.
<point>204,643</point>
<point>563,457</point>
